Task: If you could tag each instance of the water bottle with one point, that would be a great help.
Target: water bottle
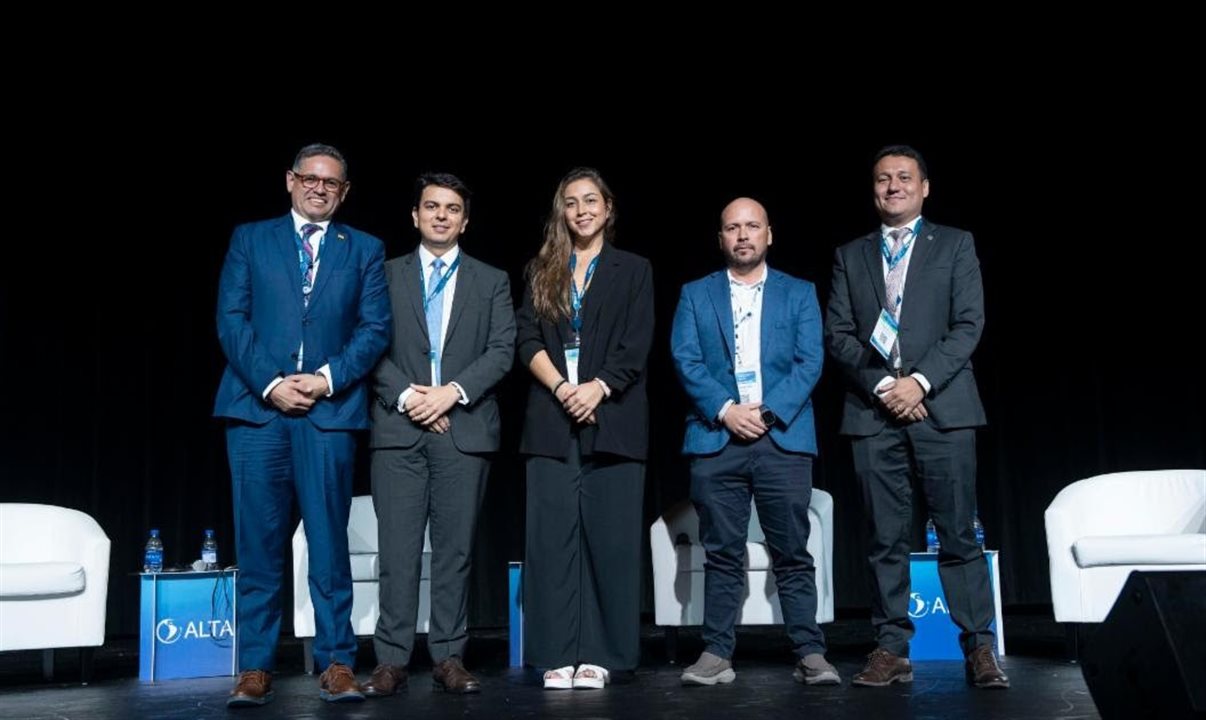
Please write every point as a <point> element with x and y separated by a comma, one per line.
<point>152,558</point>
<point>209,551</point>
<point>979,527</point>
<point>931,536</point>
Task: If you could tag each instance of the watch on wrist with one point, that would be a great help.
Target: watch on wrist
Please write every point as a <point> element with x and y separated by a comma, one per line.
<point>769,419</point>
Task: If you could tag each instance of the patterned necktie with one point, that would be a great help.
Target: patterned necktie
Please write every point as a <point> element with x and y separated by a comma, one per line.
<point>308,259</point>
<point>435,317</point>
<point>894,283</point>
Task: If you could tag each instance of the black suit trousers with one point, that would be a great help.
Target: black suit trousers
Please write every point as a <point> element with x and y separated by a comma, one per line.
<point>944,464</point>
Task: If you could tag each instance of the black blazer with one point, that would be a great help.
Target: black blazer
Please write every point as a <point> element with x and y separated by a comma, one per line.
<point>941,320</point>
<point>617,333</point>
<point>479,348</point>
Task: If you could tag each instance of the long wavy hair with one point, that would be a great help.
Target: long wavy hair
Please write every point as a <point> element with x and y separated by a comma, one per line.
<point>548,272</point>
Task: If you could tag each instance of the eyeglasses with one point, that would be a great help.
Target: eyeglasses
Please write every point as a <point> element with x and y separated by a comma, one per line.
<point>311,181</point>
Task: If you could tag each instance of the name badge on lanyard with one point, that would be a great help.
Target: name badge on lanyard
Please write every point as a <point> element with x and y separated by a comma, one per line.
<point>883,337</point>
<point>747,381</point>
<point>573,349</point>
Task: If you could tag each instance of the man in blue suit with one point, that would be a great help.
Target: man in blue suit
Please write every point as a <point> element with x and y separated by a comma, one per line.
<point>303,316</point>
<point>747,347</point>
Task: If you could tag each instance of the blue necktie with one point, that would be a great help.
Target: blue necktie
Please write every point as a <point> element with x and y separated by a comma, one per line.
<point>435,318</point>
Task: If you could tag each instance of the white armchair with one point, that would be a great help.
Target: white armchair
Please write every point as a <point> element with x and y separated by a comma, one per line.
<point>1102,528</point>
<point>54,581</point>
<point>678,568</point>
<point>362,544</point>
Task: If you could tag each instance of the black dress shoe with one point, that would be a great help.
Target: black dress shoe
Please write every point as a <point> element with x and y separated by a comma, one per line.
<point>451,676</point>
<point>983,671</point>
<point>385,681</point>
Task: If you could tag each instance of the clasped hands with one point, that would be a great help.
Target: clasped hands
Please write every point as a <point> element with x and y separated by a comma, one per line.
<point>429,405</point>
<point>296,394</point>
<point>744,421</point>
<point>903,398</point>
<point>580,401</point>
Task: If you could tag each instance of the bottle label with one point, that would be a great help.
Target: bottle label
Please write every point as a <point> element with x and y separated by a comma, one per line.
<point>209,557</point>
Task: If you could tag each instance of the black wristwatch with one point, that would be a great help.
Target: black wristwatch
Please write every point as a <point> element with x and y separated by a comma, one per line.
<point>769,419</point>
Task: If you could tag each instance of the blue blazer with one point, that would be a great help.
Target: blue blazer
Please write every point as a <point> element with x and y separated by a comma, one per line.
<point>792,353</point>
<point>262,320</point>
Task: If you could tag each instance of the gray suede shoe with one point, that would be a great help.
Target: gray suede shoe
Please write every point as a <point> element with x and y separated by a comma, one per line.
<point>709,669</point>
<point>814,669</point>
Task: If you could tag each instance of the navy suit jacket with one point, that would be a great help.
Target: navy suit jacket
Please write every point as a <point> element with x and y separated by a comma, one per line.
<point>792,354</point>
<point>941,319</point>
<point>262,321</point>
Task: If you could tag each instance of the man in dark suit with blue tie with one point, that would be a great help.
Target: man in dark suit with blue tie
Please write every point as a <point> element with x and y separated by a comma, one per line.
<point>905,314</point>
<point>747,347</point>
<point>303,316</point>
<point>435,427</point>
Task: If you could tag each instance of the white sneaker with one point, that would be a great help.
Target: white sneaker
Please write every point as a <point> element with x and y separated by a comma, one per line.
<point>709,669</point>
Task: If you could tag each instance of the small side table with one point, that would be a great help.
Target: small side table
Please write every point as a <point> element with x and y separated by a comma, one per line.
<point>188,626</point>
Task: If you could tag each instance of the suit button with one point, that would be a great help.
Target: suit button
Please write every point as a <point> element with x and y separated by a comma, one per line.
<point>305,321</point>
<point>729,368</point>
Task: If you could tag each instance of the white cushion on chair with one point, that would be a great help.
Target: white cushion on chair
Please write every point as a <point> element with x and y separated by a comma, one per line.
<point>54,578</point>
<point>1104,550</point>
<point>364,567</point>
<point>1092,531</point>
<point>691,558</point>
<point>44,578</point>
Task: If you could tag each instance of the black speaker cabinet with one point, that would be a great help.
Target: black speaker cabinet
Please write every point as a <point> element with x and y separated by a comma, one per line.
<point>1148,658</point>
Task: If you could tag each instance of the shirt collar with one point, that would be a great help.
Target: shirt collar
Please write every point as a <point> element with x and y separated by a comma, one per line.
<point>299,221</point>
<point>449,257</point>
<point>737,283</point>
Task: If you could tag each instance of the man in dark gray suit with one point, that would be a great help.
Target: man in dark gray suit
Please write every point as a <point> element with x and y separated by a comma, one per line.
<point>435,424</point>
<point>905,314</point>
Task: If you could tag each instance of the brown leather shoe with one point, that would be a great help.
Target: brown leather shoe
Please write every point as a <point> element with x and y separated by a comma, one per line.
<point>385,681</point>
<point>983,671</point>
<point>337,684</point>
<point>451,676</point>
<point>254,688</point>
<point>884,668</point>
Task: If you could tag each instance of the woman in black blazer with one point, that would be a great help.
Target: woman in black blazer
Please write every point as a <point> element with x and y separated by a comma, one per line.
<point>584,331</point>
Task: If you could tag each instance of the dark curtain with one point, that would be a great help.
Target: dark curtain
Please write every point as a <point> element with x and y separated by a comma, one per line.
<point>1088,364</point>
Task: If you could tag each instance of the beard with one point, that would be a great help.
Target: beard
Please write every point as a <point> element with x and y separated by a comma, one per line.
<point>744,262</point>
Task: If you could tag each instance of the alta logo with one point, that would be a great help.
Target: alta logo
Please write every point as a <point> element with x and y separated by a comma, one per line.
<point>919,608</point>
<point>168,632</point>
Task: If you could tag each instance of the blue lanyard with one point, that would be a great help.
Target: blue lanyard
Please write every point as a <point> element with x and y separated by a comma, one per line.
<point>439,288</point>
<point>575,296</point>
<point>894,260</point>
<point>303,258</point>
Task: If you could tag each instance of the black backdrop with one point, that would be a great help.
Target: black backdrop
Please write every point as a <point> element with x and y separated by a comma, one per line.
<point>110,359</point>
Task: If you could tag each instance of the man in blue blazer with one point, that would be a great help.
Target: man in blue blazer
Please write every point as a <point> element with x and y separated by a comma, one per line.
<point>303,316</point>
<point>905,314</point>
<point>747,347</point>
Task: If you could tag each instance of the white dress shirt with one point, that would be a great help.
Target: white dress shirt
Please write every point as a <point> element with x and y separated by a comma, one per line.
<point>912,240</point>
<point>426,260</point>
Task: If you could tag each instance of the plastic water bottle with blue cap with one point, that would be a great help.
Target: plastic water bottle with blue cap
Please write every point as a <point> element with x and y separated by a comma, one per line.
<point>152,557</point>
<point>209,551</point>
<point>931,536</point>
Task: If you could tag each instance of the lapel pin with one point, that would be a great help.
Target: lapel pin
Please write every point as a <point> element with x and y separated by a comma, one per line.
<point>341,236</point>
